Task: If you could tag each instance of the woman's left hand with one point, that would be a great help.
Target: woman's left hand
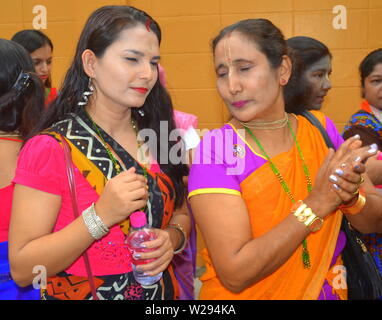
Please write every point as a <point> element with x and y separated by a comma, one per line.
<point>347,177</point>
<point>163,252</point>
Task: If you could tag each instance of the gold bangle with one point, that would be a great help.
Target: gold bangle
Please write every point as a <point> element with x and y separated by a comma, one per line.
<point>305,215</point>
<point>357,206</point>
<point>183,244</point>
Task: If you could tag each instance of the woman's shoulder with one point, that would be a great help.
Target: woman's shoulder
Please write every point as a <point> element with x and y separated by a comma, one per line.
<point>41,164</point>
<point>42,148</point>
<point>42,141</point>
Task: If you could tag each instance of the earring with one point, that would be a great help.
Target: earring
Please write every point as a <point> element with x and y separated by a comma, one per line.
<point>141,112</point>
<point>87,94</point>
<point>283,82</point>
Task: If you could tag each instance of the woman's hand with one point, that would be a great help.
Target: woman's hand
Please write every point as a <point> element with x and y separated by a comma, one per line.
<point>163,252</point>
<point>122,195</point>
<point>339,176</point>
<point>347,178</point>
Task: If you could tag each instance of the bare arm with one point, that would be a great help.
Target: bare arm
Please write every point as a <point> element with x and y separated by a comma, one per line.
<point>34,214</point>
<point>239,259</point>
<point>31,241</point>
<point>369,220</point>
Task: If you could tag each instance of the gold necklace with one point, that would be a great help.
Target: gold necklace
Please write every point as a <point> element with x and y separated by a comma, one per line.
<point>266,125</point>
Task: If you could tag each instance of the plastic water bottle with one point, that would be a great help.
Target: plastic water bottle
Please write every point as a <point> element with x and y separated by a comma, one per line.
<point>140,231</point>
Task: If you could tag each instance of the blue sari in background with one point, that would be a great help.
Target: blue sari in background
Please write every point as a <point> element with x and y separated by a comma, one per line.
<point>9,290</point>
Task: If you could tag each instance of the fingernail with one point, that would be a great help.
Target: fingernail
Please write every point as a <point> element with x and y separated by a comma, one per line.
<point>339,172</point>
<point>373,148</point>
<point>336,187</point>
<point>136,255</point>
<point>357,159</point>
<point>142,245</point>
<point>333,178</point>
<point>357,136</point>
<point>357,167</point>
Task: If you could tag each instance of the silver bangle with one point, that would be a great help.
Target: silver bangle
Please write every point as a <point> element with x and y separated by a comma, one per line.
<point>94,223</point>
<point>183,244</point>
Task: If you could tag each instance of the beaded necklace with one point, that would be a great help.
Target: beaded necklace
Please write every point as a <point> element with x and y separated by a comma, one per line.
<point>117,166</point>
<point>284,185</point>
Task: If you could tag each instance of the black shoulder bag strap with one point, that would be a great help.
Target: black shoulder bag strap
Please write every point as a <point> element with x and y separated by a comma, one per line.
<point>314,121</point>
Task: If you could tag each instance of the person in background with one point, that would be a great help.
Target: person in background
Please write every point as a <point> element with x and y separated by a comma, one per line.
<point>367,123</point>
<point>21,106</point>
<point>312,67</point>
<point>40,47</point>
<point>185,263</point>
<point>266,192</point>
<point>110,98</point>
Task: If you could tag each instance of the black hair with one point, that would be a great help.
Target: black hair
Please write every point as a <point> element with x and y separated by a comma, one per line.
<point>21,91</point>
<point>268,38</point>
<point>32,40</point>
<point>309,50</point>
<point>368,63</point>
<point>303,51</point>
<point>101,29</point>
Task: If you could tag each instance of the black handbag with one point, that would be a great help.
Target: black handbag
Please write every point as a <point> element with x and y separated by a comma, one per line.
<point>362,276</point>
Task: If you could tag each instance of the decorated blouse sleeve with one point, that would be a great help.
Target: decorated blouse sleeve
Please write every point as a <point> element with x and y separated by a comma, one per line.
<point>41,165</point>
<point>333,133</point>
<point>212,170</point>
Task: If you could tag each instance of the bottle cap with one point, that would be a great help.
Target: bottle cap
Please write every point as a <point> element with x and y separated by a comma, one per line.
<point>138,219</point>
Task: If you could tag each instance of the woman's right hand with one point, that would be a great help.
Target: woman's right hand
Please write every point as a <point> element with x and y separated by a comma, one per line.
<point>122,195</point>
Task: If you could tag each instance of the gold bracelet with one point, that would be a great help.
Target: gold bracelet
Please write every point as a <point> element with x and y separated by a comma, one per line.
<point>306,216</point>
<point>357,206</point>
<point>183,244</point>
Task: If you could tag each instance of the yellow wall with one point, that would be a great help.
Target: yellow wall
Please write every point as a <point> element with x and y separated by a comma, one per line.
<point>188,27</point>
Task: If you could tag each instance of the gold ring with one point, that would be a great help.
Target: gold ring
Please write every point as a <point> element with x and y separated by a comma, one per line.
<point>361,181</point>
<point>356,192</point>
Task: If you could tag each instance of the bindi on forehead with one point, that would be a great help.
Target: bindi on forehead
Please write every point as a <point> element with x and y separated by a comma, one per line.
<point>148,23</point>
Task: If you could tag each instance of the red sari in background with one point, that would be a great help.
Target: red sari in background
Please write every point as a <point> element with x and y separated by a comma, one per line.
<point>50,95</point>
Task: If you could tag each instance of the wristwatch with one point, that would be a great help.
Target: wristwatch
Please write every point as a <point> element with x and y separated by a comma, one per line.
<point>306,216</point>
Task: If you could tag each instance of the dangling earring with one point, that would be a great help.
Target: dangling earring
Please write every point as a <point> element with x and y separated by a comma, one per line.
<point>87,94</point>
<point>141,112</point>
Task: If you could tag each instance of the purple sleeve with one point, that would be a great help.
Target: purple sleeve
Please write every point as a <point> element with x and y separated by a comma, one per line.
<point>333,133</point>
<point>212,170</point>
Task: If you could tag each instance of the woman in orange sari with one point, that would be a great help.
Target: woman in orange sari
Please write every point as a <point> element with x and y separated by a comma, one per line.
<point>265,190</point>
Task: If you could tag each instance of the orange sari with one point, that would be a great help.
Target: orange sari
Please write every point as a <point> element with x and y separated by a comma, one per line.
<point>268,205</point>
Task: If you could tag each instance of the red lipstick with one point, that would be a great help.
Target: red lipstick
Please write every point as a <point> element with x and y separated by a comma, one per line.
<point>141,90</point>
